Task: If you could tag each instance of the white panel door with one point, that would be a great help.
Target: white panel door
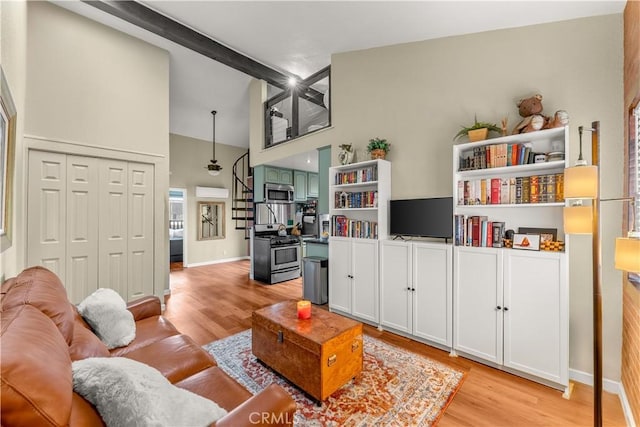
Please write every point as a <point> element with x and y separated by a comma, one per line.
<point>340,274</point>
<point>478,309</point>
<point>533,304</point>
<point>112,249</point>
<point>432,298</point>
<point>364,301</point>
<point>82,227</point>
<point>46,225</point>
<point>140,232</point>
<point>395,285</point>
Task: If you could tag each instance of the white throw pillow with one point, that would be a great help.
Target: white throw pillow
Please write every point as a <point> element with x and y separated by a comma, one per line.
<point>129,393</point>
<point>106,312</point>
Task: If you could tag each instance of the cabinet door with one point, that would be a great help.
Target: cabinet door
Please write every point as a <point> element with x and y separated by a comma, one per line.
<point>432,298</point>
<point>299,186</point>
<point>340,275</point>
<point>272,175</point>
<point>312,184</point>
<point>258,183</point>
<point>535,318</point>
<point>286,176</point>
<point>478,293</point>
<point>395,285</point>
<point>364,257</point>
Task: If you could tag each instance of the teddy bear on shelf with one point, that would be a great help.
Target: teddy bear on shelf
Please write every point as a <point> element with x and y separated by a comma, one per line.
<point>531,110</point>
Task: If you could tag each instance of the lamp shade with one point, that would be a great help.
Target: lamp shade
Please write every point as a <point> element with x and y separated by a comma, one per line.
<point>627,256</point>
<point>578,220</point>
<point>581,182</point>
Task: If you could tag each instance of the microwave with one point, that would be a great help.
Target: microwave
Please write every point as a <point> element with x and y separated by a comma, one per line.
<point>278,193</point>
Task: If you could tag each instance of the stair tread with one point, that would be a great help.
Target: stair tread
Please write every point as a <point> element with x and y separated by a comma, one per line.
<point>247,218</point>
<point>242,209</point>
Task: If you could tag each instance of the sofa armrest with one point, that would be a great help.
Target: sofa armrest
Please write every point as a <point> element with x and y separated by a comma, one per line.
<point>271,407</point>
<point>144,307</point>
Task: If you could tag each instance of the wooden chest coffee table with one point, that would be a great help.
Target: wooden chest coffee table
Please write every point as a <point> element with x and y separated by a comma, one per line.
<point>319,355</point>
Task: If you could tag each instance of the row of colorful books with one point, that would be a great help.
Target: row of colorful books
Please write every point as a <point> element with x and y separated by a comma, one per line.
<point>477,231</point>
<point>515,190</point>
<point>361,199</point>
<point>367,174</point>
<point>496,156</point>
<point>344,227</point>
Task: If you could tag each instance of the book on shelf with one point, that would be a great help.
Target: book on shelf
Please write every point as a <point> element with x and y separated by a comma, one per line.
<point>477,231</point>
<point>341,226</point>
<point>356,176</point>
<point>514,190</point>
<point>360,199</point>
<point>496,156</point>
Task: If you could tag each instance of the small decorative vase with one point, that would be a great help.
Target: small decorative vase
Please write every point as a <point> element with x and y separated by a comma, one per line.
<point>345,157</point>
<point>478,134</point>
<point>378,153</point>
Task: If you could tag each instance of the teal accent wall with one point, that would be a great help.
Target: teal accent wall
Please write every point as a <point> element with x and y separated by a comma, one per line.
<point>317,249</point>
<point>258,184</point>
<point>324,163</point>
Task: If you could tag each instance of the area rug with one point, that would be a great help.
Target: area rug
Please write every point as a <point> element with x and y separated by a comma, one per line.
<point>396,388</point>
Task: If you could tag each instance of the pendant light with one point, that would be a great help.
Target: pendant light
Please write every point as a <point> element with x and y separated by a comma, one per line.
<point>214,168</point>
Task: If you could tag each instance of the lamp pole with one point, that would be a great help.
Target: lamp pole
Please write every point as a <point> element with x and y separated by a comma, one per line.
<point>597,283</point>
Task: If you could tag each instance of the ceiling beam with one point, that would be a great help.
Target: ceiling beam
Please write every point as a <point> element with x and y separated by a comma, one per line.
<point>144,17</point>
<point>137,14</point>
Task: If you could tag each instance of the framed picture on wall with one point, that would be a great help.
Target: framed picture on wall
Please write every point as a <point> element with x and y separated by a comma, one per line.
<point>7,149</point>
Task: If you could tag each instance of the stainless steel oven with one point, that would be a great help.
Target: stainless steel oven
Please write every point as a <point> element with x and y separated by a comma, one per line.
<point>275,258</point>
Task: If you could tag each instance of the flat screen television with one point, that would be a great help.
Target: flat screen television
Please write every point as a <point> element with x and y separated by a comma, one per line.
<point>422,217</point>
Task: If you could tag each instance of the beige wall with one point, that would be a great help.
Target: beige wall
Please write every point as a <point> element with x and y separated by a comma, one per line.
<point>13,46</point>
<point>418,94</point>
<point>189,156</point>
<point>95,91</point>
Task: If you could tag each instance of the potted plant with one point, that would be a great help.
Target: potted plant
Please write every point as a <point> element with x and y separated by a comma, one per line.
<point>378,148</point>
<point>478,131</point>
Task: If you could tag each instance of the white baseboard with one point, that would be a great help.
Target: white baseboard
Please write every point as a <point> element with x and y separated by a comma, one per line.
<point>587,378</point>
<point>611,386</point>
<point>626,408</point>
<point>217,261</point>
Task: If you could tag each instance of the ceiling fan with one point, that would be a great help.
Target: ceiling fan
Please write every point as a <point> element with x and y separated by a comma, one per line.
<point>213,167</point>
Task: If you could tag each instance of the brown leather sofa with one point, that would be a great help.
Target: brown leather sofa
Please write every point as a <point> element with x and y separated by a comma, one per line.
<point>42,333</point>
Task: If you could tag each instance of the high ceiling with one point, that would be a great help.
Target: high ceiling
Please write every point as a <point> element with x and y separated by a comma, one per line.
<point>299,37</point>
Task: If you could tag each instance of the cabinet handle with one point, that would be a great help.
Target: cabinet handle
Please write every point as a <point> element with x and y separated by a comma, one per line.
<point>498,308</point>
<point>413,289</point>
<point>408,289</point>
<point>506,309</point>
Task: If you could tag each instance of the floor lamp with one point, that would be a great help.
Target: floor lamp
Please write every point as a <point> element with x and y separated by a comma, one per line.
<point>583,182</point>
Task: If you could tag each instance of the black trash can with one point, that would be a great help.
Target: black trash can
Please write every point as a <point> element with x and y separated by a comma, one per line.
<point>315,279</point>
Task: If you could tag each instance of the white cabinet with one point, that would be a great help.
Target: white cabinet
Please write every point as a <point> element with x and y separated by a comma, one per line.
<point>358,203</point>
<point>353,278</point>
<point>433,295</point>
<point>416,290</point>
<point>477,296</point>
<point>535,314</point>
<point>512,310</point>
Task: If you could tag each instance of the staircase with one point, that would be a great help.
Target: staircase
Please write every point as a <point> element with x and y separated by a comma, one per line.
<point>242,195</point>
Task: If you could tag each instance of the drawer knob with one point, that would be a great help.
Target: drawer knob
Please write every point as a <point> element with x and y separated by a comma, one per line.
<point>280,337</point>
<point>332,359</point>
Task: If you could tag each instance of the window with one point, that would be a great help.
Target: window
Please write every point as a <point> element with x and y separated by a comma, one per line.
<point>298,110</point>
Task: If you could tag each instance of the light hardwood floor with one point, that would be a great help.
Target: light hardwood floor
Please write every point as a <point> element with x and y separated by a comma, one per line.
<point>213,302</point>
